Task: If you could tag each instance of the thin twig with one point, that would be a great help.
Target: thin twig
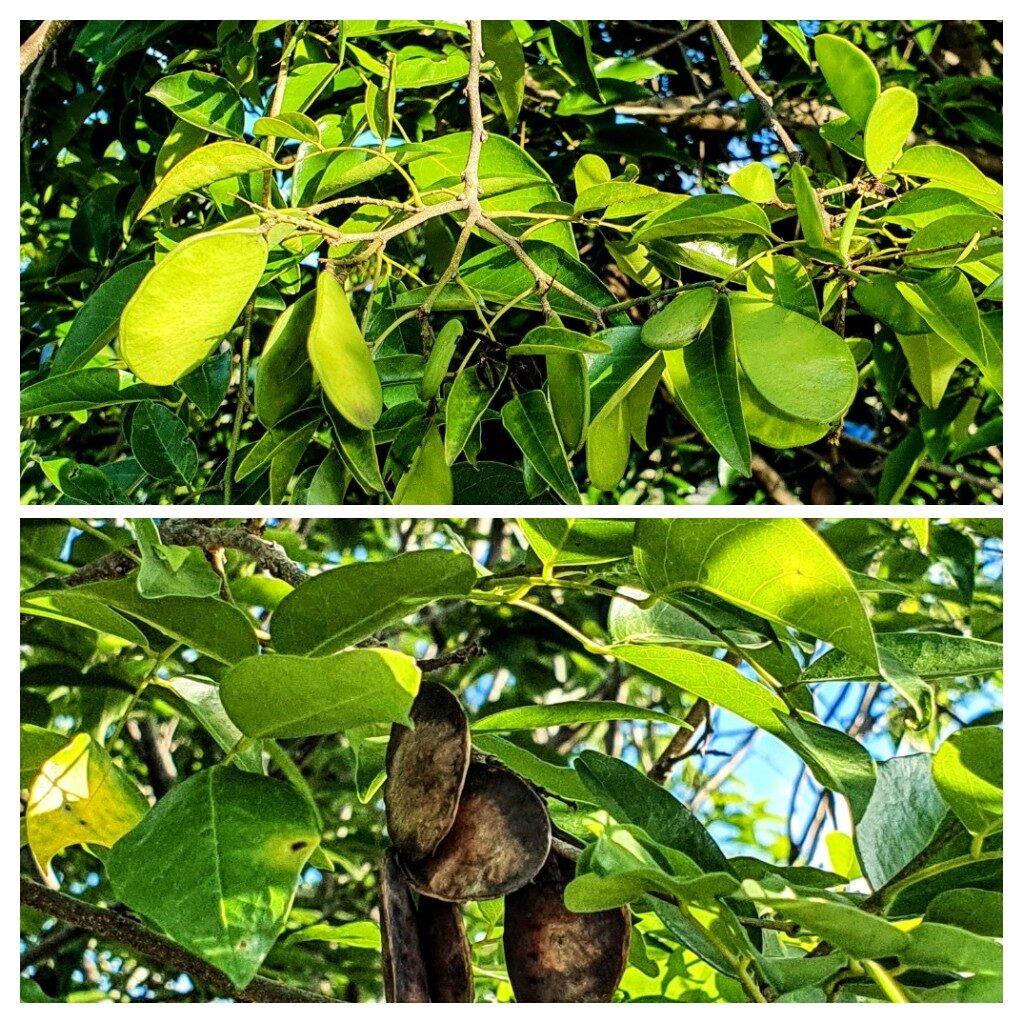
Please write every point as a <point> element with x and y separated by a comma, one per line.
<point>40,41</point>
<point>114,927</point>
<point>763,99</point>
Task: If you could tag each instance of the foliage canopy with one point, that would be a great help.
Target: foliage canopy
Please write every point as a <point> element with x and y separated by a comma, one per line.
<point>767,739</point>
<point>413,262</point>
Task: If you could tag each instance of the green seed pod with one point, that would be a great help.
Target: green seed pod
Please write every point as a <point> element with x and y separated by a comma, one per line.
<point>439,360</point>
<point>340,357</point>
<point>608,447</point>
<point>681,320</point>
<point>284,376</point>
<point>570,396</point>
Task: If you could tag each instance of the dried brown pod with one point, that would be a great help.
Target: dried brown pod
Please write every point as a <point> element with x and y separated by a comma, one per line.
<point>499,840</point>
<point>556,956</point>
<point>405,973</point>
<point>445,950</point>
<point>426,770</point>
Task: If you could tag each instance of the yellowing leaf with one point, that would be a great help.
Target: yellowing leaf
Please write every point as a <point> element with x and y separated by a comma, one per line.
<point>79,796</point>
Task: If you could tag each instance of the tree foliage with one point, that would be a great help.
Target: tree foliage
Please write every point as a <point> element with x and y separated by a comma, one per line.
<point>411,262</point>
<point>777,744</point>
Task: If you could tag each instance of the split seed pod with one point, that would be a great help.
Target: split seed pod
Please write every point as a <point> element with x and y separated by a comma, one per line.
<point>498,842</point>
<point>405,973</point>
<point>556,956</point>
<point>445,951</point>
<point>426,769</point>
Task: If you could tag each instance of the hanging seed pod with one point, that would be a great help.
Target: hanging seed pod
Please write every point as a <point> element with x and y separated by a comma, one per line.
<point>426,769</point>
<point>405,974</point>
<point>556,956</point>
<point>445,951</point>
<point>499,840</point>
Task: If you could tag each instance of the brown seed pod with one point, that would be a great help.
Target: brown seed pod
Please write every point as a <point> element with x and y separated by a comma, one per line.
<point>556,956</point>
<point>426,769</point>
<point>405,973</point>
<point>498,842</point>
<point>445,951</point>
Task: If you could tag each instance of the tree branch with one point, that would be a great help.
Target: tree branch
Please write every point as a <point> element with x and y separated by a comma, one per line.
<point>678,747</point>
<point>40,41</point>
<point>771,482</point>
<point>763,99</point>
<point>114,927</point>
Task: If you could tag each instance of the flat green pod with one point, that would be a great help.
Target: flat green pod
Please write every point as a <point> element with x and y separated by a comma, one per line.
<point>554,955</point>
<point>439,359</point>
<point>795,363</point>
<point>608,447</point>
<point>284,376</point>
<point>405,972</point>
<point>498,842</point>
<point>341,358</point>
<point>188,302</point>
<point>428,481</point>
<point>569,391</point>
<point>445,950</point>
<point>426,768</point>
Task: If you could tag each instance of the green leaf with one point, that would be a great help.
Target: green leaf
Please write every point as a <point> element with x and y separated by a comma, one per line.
<point>945,302</point>
<point>207,101</point>
<point>189,301</point>
<point>469,398</point>
<point>77,390</point>
<point>95,323</point>
<point>568,712</point>
<point>79,797</point>
<point>343,606</point>
<point>36,745</point>
<point>754,182</point>
<point>927,655</point>
<point>901,818</point>
<point>940,947</point>
<point>860,934</point>
<point>703,379</point>
<point>745,37</point>
<point>808,208</point>
<point>932,362</point>
<point>952,168</point>
<point>901,466</point>
<point>353,935</point>
<point>707,216</point>
<point>208,624</point>
<point>203,166</point>
<point>682,320</point>
<point>578,541</point>
<point>357,449</point>
<point>530,422</point>
<point>633,799</point>
<point>850,74</point>
<point>82,610</point>
<point>968,770</point>
<point>552,778</point>
<point>975,910</point>
<point>286,696</point>
<point>161,443</point>
<point>707,677</point>
<point>428,480</point>
<point>172,571</point>
<point>235,871</point>
<point>837,761</point>
<point>341,358</point>
<point>207,385</point>
<point>797,365</point>
<point>501,45</point>
<point>779,569</point>
<point>573,51</point>
<point>288,125</point>
<point>891,120</point>
<point>83,485</point>
<point>794,35</point>
<point>546,340</point>
<point>962,240</point>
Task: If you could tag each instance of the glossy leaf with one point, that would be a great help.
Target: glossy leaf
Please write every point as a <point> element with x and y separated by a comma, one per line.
<point>204,100</point>
<point>850,74</point>
<point>968,770</point>
<point>529,420</point>
<point>891,120</point>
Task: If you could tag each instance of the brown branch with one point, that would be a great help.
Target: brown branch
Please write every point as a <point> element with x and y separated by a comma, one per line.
<point>459,656</point>
<point>678,748</point>
<point>40,41</point>
<point>114,927</point>
<point>763,99</point>
<point>771,482</point>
